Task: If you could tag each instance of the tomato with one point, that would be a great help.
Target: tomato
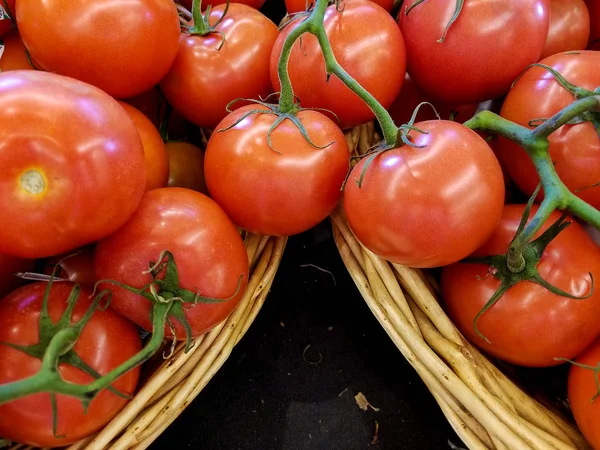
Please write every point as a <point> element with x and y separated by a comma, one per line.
<point>155,156</point>
<point>186,166</point>
<point>573,148</point>
<point>207,248</point>
<point>73,164</point>
<point>122,54</point>
<point>582,389</point>
<point>277,191</point>
<point>106,341</point>
<point>429,206</point>
<point>76,266</point>
<point>472,64</point>
<point>594,11</point>
<point>293,6</point>
<point>410,97</point>
<point>366,42</point>
<point>569,27</point>
<point>529,325</point>
<point>204,80</point>
<point>14,55</point>
<point>256,4</point>
<point>6,23</point>
<point>9,265</point>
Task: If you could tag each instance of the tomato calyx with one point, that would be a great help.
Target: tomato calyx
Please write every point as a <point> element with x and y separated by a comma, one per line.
<point>594,369</point>
<point>457,11</point>
<point>528,271</point>
<point>200,21</point>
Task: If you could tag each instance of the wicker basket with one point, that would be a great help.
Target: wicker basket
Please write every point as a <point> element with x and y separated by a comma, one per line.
<point>169,385</point>
<point>485,408</point>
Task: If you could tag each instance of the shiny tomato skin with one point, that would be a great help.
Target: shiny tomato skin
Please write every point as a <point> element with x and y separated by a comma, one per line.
<point>9,265</point>
<point>7,24</point>
<point>207,247</point>
<point>529,325</point>
<point>256,4</point>
<point>366,42</point>
<point>124,54</point>
<point>186,166</point>
<point>73,162</point>
<point>293,6</point>
<point>107,341</point>
<point>569,27</point>
<point>14,56</point>
<point>573,148</point>
<point>429,206</point>
<point>277,191</point>
<point>76,266</point>
<point>155,155</point>
<point>410,97</point>
<point>204,80</point>
<point>472,64</point>
<point>581,389</point>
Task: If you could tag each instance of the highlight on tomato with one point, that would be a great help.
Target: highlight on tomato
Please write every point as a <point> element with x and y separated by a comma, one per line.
<point>569,27</point>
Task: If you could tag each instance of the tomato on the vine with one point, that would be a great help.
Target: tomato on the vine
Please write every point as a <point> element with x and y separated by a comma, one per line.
<point>73,164</point>
<point>366,42</point>
<point>569,27</point>
<point>428,206</point>
<point>107,341</point>
<point>207,248</point>
<point>204,78</point>
<point>294,6</point>
<point>473,63</point>
<point>278,191</point>
<point>6,20</point>
<point>14,54</point>
<point>124,47</point>
<point>529,325</point>
<point>186,166</point>
<point>573,148</point>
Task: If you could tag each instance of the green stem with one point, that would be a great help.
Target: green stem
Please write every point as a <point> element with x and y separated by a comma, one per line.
<point>493,123</point>
<point>567,114</point>
<point>200,26</point>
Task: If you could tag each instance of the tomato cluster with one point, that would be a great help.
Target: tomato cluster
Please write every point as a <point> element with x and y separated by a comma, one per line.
<point>141,141</point>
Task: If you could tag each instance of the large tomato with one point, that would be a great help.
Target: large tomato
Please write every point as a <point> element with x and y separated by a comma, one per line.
<point>366,42</point>
<point>186,166</point>
<point>282,190</point>
<point>106,341</point>
<point>124,47</point>
<point>205,79</point>
<point>73,164</point>
<point>569,27</point>
<point>573,148</point>
<point>293,6</point>
<point>256,4</point>
<point>155,155</point>
<point>208,250</point>
<point>429,206</point>
<point>6,22</point>
<point>13,56</point>
<point>582,389</point>
<point>529,325</point>
<point>9,266</point>
<point>472,64</point>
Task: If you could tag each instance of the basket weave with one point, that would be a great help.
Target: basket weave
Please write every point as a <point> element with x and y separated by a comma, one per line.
<point>485,408</point>
<point>173,383</point>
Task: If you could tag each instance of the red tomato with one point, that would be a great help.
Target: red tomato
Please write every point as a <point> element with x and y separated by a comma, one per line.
<point>368,45</point>
<point>208,250</point>
<point>293,6</point>
<point>6,23</point>
<point>573,148</point>
<point>204,80</point>
<point>472,64</point>
<point>155,155</point>
<point>256,4</point>
<point>582,389</point>
<point>107,341</point>
<point>594,11</point>
<point>9,265</point>
<point>122,54</point>
<point>529,325</point>
<point>429,206</point>
<point>569,27</point>
<point>409,98</point>
<point>73,164</point>
<point>76,266</point>
<point>277,191</point>
<point>186,166</point>
<point>14,55</point>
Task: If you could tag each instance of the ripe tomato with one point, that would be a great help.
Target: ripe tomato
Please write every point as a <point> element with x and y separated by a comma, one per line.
<point>529,325</point>
<point>9,265</point>
<point>582,389</point>
<point>14,55</point>
<point>204,80</point>
<point>6,23</point>
<point>155,155</point>
<point>429,206</point>
<point>472,64</point>
<point>73,164</point>
<point>122,54</point>
<point>410,97</point>
<point>293,6</point>
<point>573,148</point>
<point>594,11</point>
<point>76,266</point>
<point>277,191</point>
<point>186,166</point>
<point>208,250</point>
<point>569,27</point>
<point>368,45</point>
<point>256,4</point>
<point>107,341</point>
